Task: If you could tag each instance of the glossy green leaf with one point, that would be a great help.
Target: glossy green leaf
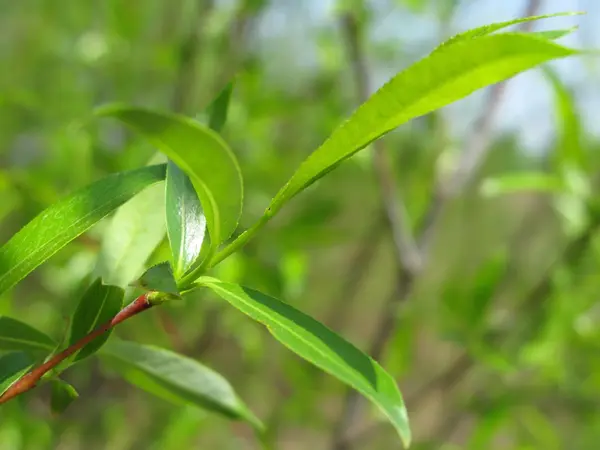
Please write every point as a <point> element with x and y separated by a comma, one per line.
<point>201,154</point>
<point>12,366</point>
<point>99,304</point>
<point>521,182</point>
<point>131,237</point>
<point>177,378</point>
<point>159,278</point>
<point>61,396</point>
<point>322,347</point>
<point>450,73</point>
<point>16,335</point>
<point>569,151</point>
<point>64,221</point>
<point>186,223</point>
<point>488,29</point>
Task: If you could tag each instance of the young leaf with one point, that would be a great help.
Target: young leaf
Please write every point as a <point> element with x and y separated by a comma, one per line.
<point>450,73</point>
<point>16,335</point>
<point>132,235</point>
<point>159,278</point>
<point>520,182</point>
<point>186,224</point>
<point>12,366</point>
<point>177,378</point>
<point>322,347</point>
<point>99,304</point>
<point>62,395</point>
<point>64,221</point>
<point>488,29</point>
<point>201,154</point>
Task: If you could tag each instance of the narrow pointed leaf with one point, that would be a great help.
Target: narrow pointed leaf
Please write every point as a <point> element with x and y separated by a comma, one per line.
<point>555,34</point>
<point>99,304</point>
<point>177,378</point>
<point>62,395</point>
<point>12,366</point>
<point>317,344</point>
<point>488,29</point>
<point>186,223</point>
<point>16,335</point>
<point>159,278</point>
<point>450,73</point>
<point>64,221</point>
<point>201,154</point>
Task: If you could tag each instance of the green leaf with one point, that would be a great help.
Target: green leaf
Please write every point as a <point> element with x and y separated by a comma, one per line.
<point>520,182</point>
<point>322,347</point>
<point>201,154</point>
<point>12,366</point>
<point>217,111</point>
<point>186,223</point>
<point>131,237</point>
<point>448,74</point>
<point>16,335</point>
<point>569,151</point>
<point>159,278</point>
<point>64,221</point>
<point>62,395</point>
<point>99,304</point>
<point>488,29</point>
<point>177,378</point>
<point>555,34</point>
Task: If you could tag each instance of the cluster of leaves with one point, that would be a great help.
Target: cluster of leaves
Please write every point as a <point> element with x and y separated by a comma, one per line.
<point>203,203</point>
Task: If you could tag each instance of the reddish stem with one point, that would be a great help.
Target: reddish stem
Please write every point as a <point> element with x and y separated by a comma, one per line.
<point>30,379</point>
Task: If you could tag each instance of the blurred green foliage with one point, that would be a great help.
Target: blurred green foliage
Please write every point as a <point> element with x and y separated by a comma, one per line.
<point>496,348</point>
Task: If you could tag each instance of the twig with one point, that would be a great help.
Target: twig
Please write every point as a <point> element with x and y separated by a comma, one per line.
<point>31,379</point>
<point>413,257</point>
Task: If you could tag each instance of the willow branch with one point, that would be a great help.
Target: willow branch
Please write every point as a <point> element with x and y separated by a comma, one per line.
<point>32,378</point>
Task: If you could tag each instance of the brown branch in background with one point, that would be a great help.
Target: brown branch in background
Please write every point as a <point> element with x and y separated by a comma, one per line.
<point>412,257</point>
<point>31,379</point>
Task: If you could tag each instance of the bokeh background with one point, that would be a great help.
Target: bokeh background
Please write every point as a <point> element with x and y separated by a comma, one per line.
<point>496,342</point>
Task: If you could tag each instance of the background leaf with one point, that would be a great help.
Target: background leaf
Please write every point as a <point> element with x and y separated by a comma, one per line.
<point>16,335</point>
<point>99,304</point>
<point>316,343</point>
<point>451,72</point>
<point>65,220</point>
<point>62,395</point>
<point>522,182</point>
<point>131,237</point>
<point>201,154</point>
<point>177,378</point>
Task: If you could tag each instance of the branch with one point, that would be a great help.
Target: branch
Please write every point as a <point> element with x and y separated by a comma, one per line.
<point>31,379</point>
